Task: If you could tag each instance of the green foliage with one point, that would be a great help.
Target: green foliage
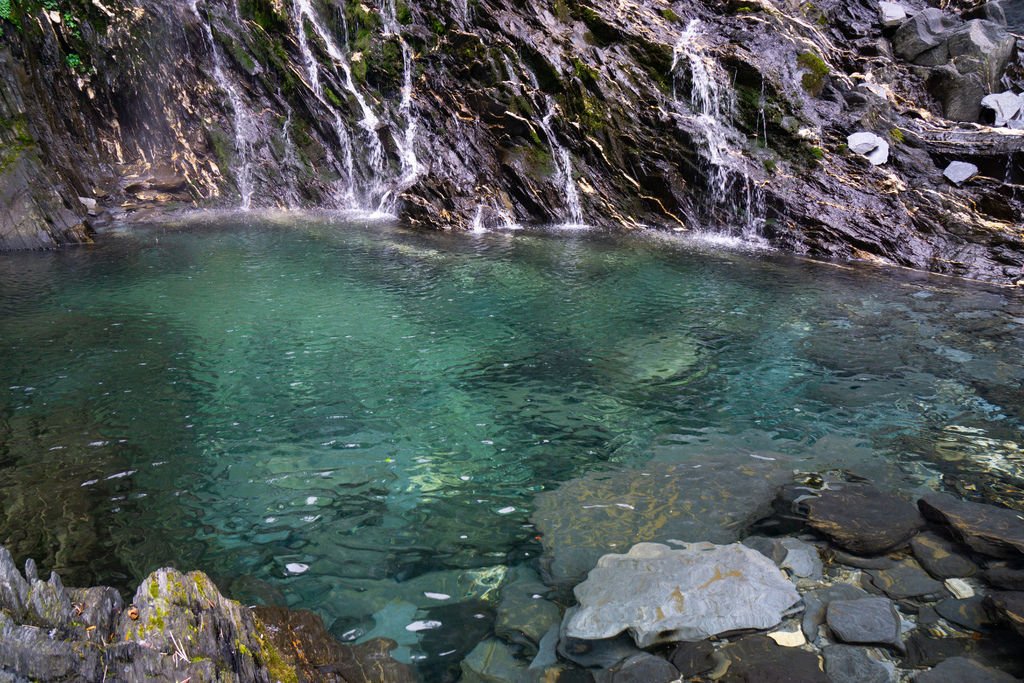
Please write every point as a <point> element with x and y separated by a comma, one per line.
<point>587,74</point>
<point>403,13</point>
<point>5,9</point>
<point>437,26</point>
<point>770,165</point>
<point>562,11</point>
<point>818,153</point>
<point>670,15</point>
<point>73,61</point>
<point>816,72</point>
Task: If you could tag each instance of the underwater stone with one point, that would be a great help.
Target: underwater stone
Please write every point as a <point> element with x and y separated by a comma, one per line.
<point>869,145</point>
<point>491,661</point>
<point>524,615</point>
<point>969,613</point>
<point>758,658</point>
<point>868,621</point>
<point>998,532</point>
<point>862,519</point>
<point>1007,606</point>
<point>963,670</point>
<point>941,557</point>
<point>852,664</point>
<point>906,580</point>
<point>816,605</point>
<point>609,512</point>
<point>640,668</point>
<point>689,594</point>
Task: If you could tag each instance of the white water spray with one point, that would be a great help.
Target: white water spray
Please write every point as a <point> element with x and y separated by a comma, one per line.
<point>713,106</point>
<point>244,129</point>
<point>563,163</point>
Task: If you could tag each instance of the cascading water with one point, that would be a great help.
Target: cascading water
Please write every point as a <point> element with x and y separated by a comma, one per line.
<point>304,12</point>
<point>406,142</point>
<point>563,162</point>
<point>730,189</point>
<point>559,154</point>
<point>245,131</point>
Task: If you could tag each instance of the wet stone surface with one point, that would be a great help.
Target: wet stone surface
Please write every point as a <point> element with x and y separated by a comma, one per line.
<point>989,530</point>
<point>868,620</point>
<point>862,519</point>
<point>941,557</point>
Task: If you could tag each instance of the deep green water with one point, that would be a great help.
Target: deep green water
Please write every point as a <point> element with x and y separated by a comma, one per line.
<point>346,416</point>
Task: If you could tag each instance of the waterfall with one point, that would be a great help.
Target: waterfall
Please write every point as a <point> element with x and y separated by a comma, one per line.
<point>712,106</point>
<point>244,129</point>
<point>563,162</point>
<point>559,154</point>
<point>369,122</point>
<point>291,159</point>
<point>406,142</point>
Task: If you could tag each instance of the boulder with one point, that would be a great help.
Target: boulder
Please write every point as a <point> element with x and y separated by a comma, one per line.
<point>959,93</point>
<point>867,621</point>
<point>959,172</point>
<point>981,47</point>
<point>963,670</point>
<point>609,512</point>
<point>1004,105</point>
<point>893,14</point>
<point>1006,578</point>
<point>922,32</point>
<point>759,659</point>
<point>692,593</point>
<point>869,145</point>
<point>816,605</point>
<point>940,557</point>
<point>998,532</point>
<point>861,518</point>
<point>971,613</point>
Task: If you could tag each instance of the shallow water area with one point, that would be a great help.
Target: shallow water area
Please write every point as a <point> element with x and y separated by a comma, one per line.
<point>345,415</point>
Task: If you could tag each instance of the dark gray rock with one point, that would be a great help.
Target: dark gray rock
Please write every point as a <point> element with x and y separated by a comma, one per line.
<point>693,659</point>
<point>866,621</point>
<point>99,606</point>
<point>48,603</point>
<point>983,48</point>
<point>863,519</point>
<point>986,529</point>
<point>597,654</point>
<point>14,588</point>
<point>31,652</point>
<point>1006,578</point>
<point>906,580</point>
<point>970,613</point>
<point>759,659</point>
<point>547,650</point>
<point>941,557</point>
<point>524,614</point>
<point>963,671</point>
<point>959,172</point>
<point>922,32</point>
<point>492,661</point>
<point>851,664</point>
<point>640,668</point>
<point>816,605</point>
<point>1007,606</point>
<point>862,562</point>
<point>800,558</point>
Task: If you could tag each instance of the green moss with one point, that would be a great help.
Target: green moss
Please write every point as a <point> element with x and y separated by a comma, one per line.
<point>585,73</point>
<point>562,11</point>
<point>897,136</point>
<point>818,153</point>
<point>770,165</point>
<point>817,71</point>
<point>154,589</point>
<point>403,13</point>
<point>437,26</point>
<point>279,669</point>
<point>671,16</point>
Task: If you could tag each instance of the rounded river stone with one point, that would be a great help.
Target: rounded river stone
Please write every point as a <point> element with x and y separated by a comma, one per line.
<point>868,620</point>
<point>941,557</point>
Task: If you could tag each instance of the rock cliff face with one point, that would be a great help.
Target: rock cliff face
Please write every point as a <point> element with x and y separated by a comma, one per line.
<point>725,116</point>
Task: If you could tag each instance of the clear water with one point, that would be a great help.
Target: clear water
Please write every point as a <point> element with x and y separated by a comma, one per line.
<point>348,416</point>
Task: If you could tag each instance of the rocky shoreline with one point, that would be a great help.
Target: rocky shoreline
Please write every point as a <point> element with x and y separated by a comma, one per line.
<point>838,582</point>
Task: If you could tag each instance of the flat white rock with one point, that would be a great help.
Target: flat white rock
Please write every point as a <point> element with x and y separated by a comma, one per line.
<point>870,145</point>
<point>960,172</point>
<point>660,594</point>
<point>893,14</point>
<point>1006,105</point>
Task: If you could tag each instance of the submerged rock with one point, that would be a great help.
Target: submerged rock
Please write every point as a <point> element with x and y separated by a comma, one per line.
<point>942,558</point>
<point>609,512</point>
<point>640,668</point>
<point>692,593</point>
<point>863,519</point>
<point>1007,606</point>
<point>759,658</point>
<point>963,670</point>
<point>906,580</point>
<point>986,529</point>
<point>868,621</point>
<point>850,664</point>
